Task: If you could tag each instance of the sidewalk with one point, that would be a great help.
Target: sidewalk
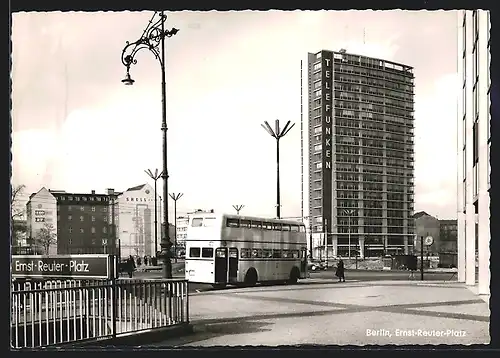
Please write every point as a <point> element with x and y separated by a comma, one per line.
<point>319,311</point>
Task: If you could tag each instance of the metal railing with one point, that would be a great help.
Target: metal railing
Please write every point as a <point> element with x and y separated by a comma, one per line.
<point>58,312</point>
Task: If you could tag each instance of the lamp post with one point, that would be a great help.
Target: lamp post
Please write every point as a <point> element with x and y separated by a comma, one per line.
<point>175,197</point>
<point>277,134</point>
<point>155,176</point>
<point>238,208</point>
<point>153,39</point>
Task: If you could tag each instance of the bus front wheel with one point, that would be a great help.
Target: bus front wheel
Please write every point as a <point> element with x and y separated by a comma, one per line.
<point>251,277</point>
<point>294,276</point>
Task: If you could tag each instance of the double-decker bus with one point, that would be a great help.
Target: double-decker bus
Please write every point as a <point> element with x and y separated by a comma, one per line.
<point>226,249</point>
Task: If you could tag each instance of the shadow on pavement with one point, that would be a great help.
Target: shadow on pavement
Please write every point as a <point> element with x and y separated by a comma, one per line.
<point>205,331</point>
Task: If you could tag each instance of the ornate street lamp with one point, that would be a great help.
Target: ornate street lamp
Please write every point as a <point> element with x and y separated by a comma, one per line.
<point>153,39</point>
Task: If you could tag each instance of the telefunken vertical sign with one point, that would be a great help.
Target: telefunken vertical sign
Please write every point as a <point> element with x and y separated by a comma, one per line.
<point>326,118</point>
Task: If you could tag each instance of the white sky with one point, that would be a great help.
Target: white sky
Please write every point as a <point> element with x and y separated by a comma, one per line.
<point>80,129</point>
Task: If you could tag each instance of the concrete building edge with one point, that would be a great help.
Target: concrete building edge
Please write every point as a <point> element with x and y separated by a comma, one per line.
<point>137,339</point>
<point>475,290</point>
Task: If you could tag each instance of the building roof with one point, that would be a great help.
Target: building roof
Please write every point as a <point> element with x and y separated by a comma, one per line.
<point>138,187</point>
<point>60,193</point>
<point>420,214</point>
<point>448,221</point>
<point>345,52</point>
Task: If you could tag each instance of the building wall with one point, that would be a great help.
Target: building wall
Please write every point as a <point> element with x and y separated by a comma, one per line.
<point>41,210</point>
<point>361,153</point>
<point>427,225</point>
<point>474,149</point>
<point>448,236</point>
<point>84,223</point>
<point>182,225</point>
<point>135,227</point>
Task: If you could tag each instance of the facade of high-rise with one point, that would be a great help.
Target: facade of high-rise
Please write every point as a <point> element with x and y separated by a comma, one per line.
<point>474,140</point>
<point>361,153</point>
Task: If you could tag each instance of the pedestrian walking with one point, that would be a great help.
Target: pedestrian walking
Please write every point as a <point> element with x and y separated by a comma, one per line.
<point>130,266</point>
<point>145,260</point>
<point>339,272</point>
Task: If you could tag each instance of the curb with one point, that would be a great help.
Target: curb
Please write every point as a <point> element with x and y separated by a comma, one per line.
<point>139,338</point>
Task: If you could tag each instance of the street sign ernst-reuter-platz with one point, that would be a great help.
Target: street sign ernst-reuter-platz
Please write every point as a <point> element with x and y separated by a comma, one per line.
<point>63,266</point>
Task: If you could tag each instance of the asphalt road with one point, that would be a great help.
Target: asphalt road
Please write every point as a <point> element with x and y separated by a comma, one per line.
<point>357,275</point>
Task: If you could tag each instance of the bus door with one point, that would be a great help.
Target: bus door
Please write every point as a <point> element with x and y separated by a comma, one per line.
<point>221,265</point>
<point>233,264</point>
<point>303,261</point>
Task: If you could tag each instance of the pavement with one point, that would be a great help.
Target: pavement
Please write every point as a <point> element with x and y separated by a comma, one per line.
<point>321,311</point>
<point>377,275</point>
<point>359,275</point>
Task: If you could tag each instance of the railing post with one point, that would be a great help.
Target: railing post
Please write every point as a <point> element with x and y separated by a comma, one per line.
<point>186,286</point>
<point>114,315</point>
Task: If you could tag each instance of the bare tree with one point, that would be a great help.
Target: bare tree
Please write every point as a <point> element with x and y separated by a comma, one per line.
<point>45,237</point>
<point>16,211</point>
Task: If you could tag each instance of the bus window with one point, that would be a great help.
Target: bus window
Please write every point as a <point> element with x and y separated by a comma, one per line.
<point>194,252</point>
<point>207,252</point>
<point>302,228</point>
<point>295,254</point>
<point>245,223</point>
<point>276,254</point>
<point>267,226</point>
<point>277,227</point>
<point>267,254</point>
<point>256,253</point>
<point>294,228</point>
<point>286,227</point>
<point>286,254</point>
<point>245,253</point>
<point>256,225</point>
<point>220,253</point>
<point>233,223</point>
<point>197,222</point>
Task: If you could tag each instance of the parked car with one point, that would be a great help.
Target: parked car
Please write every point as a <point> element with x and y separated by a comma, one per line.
<point>316,265</point>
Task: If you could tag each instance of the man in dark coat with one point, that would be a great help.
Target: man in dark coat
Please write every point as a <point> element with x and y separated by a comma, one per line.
<point>131,266</point>
<point>340,270</point>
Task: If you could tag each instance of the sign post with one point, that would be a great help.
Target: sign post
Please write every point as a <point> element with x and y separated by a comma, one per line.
<point>63,266</point>
<point>428,241</point>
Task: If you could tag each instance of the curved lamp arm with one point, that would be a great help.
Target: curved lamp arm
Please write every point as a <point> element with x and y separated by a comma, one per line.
<point>151,39</point>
